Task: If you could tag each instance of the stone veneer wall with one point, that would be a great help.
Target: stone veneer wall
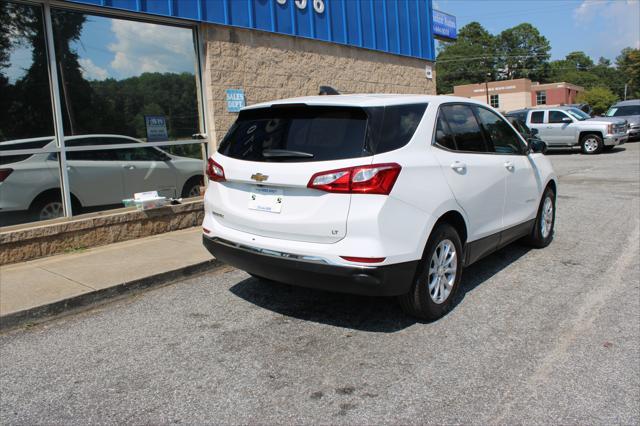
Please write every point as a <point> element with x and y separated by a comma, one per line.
<point>26,242</point>
<point>272,66</point>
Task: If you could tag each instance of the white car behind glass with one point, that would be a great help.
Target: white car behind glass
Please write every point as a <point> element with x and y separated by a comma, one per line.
<point>30,183</point>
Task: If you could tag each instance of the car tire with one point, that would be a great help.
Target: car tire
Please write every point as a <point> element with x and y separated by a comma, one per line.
<point>48,205</point>
<point>542,232</point>
<point>192,186</point>
<point>438,276</point>
<point>591,144</point>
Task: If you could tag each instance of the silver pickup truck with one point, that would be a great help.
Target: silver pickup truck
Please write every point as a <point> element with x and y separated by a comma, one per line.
<point>562,127</point>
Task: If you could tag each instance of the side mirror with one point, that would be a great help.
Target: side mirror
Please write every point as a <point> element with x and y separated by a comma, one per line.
<point>537,145</point>
<point>567,120</point>
<point>534,132</point>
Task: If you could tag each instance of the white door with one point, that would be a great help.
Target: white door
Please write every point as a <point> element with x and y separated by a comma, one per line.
<point>476,177</point>
<point>522,186</point>
<point>559,126</point>
<point>95,177</point>
<point>147,169</point>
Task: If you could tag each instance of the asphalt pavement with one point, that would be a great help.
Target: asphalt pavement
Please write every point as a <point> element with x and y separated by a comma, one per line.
<point>537,337</point>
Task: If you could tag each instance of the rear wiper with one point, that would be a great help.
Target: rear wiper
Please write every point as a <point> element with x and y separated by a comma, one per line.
<point>285,153</point>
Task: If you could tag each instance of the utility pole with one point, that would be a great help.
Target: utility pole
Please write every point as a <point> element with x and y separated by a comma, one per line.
<point>486,86</point>
<point>625,91</point>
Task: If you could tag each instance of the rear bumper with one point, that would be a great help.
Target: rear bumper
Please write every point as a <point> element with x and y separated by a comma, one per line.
<point>387,280</point>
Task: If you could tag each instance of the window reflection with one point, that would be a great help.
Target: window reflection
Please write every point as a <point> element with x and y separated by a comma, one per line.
<point>100,179</point>
<point>25,101</point>
<point>120,82</point>
<point>29,183</point>
<point>125,77</point>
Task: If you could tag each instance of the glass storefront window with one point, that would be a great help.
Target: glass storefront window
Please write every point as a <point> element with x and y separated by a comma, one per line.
<point>120,81</point>
<point>29,183</point>
<point>125,77</point>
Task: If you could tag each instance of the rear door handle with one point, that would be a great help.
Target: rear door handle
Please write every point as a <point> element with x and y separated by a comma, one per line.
<point>128,166</point>
<point>459,166</point>
<point>509,165</point>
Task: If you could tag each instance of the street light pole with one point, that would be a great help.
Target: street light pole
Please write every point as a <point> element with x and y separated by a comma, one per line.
<point>486,86</point>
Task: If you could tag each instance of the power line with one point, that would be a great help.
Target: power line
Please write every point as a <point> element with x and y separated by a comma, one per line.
<point>498,56</point>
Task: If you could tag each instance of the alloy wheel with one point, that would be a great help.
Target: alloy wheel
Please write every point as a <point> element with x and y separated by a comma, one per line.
<point>194,191</point>
<point>591,144</point>
<point>547,218</point>
<point>442,271</point>
<point>51,210</point>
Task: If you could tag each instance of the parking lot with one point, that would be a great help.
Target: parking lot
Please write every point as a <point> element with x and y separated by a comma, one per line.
<point>537,336</point>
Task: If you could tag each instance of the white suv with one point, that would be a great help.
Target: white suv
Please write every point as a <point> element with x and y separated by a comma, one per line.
<point>388,195</point>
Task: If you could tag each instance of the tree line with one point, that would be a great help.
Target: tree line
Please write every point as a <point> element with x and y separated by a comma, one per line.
<point>522,52</point>
<point>114,106</point>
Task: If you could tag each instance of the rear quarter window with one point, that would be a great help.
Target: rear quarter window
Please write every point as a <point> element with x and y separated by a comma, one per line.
<point>398,126</point>
<point>521,115</point>
<point>537,117</point>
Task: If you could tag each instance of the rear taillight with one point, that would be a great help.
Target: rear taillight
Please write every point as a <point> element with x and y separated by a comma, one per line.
<point>4,173</point>
<point>373,179</point>
<point>215,172</point>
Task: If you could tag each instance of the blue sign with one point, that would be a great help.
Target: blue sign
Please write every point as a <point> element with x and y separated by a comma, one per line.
<point>156,128</point>
<point>235,100</point>
<point>444,25</point>
<point>401,27</point>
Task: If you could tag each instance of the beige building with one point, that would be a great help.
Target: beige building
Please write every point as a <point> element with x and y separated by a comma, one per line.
<point>272,66</point>
<point>509,95</point>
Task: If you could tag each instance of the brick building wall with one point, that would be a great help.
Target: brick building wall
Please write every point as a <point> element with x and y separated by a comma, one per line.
<point>271,66</point>
<point>557,93</point>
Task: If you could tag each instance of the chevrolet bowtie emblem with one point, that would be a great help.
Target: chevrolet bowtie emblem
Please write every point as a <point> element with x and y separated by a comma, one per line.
<point>259,177</point>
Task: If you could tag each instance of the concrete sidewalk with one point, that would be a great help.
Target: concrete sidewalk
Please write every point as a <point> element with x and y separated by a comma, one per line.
<point>43,287</point>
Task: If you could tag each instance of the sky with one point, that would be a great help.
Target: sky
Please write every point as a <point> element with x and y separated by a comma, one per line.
<point>117,48</point>
<point>596,27</point>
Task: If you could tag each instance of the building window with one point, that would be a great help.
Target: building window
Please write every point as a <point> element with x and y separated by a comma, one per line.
<point>494,101</point>
<point>541,97</point>
<point>128,92</point>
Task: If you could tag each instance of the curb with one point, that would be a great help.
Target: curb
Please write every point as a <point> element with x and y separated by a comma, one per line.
<point>86,300</point>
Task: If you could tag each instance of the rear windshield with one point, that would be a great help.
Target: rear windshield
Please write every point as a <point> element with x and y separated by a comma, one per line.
<point>295,133</point>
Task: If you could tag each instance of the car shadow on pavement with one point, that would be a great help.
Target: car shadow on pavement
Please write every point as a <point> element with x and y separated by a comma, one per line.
<point>481,271</point>
<point>373,314</point>
<point>569,151</point>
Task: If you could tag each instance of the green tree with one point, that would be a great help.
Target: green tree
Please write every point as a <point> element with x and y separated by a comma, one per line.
<point>575,68</point>
<point>466,60</point>
<point>609,76</point>
<point>523,53</point>
<point>600,99</point>
<point>628,63</point>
